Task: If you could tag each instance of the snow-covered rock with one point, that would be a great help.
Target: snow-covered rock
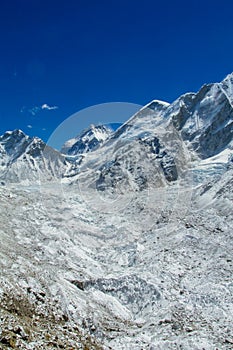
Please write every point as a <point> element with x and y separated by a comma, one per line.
<point>88,140</point>
<point>205,119</point>
<point>26,159</point>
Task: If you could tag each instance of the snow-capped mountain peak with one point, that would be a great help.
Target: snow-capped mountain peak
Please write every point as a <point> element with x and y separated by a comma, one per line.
<point>14,142</point>
<point>15,135</point>
<point>157,104</point>
<point>87,140</point>
<point>27,159</point>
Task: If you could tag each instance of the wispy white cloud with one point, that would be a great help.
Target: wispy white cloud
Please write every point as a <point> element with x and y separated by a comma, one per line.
<point>36,109</point>
<point>29,126</point>
<point>45,106</point>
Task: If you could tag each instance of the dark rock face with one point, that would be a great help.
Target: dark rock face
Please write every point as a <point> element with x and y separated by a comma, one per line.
<point>23,158</point>
<point>14,143</point>
<point>128,290</point>
<point>88,140</point>
<point>204,119</point>
<point>169,168</point>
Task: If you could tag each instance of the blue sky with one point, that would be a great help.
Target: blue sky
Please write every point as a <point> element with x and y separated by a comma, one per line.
<point>58,57</point>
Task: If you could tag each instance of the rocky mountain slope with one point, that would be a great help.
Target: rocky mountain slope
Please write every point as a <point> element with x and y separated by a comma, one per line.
<point>124,243</point>
<point>28,160</point>
<point>88,140</point>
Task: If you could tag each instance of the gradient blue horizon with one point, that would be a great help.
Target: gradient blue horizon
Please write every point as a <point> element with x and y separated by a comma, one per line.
<point>76,54</point>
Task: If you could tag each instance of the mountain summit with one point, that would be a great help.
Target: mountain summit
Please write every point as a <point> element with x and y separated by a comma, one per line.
<point>26,159</point>
<point>87,140</point>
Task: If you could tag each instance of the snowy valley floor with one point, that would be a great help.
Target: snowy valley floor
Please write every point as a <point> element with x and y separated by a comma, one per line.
<point>153,273</point>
